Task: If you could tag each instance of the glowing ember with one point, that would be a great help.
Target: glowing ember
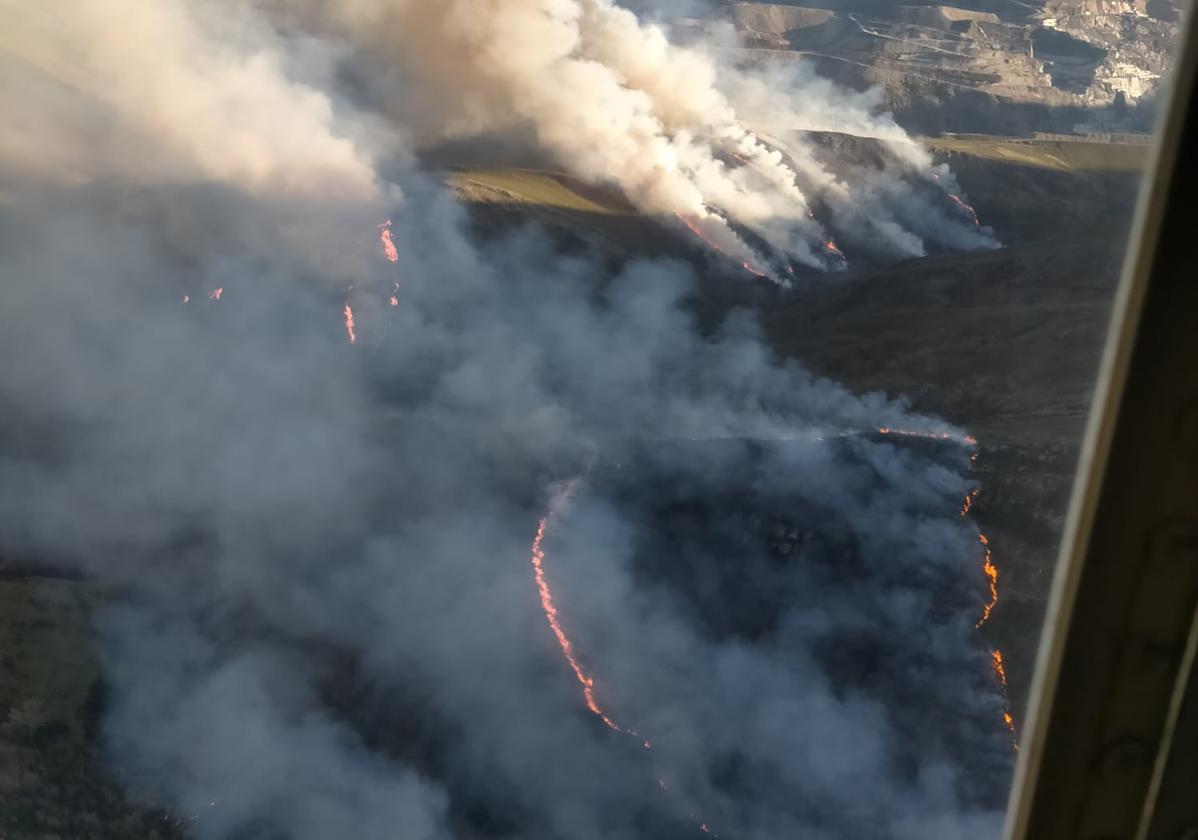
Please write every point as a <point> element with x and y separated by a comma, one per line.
<point>349,324</point>
<point>395,296</point>
<point>550,610</point>
<point>388,243</point>
<point>832,247</point>
<point>216,293</point>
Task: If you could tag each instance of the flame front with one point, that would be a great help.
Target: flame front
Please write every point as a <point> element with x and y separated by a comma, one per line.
<point>349,324</point>
<point>965,208</point>
<point>964,440</point>
<point>996,658</point>
<point>968,505</point>
<point>388,242</point>
<point>216,294</point>
<point>992,576</point>
<point>1000,671</point>
<point>550,610</point>
<point>693,228</point>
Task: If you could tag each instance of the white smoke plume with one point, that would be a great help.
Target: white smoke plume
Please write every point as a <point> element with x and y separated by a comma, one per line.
<point>616,103</point>
<point>175,91</point>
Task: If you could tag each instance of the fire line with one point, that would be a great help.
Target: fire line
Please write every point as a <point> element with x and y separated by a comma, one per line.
<point>388,242</point>
<point>349,324</point>
<point>550,609</point>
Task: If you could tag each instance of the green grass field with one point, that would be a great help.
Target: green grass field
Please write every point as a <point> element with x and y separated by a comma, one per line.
<point>530,186</point>
<point>1061,155</point>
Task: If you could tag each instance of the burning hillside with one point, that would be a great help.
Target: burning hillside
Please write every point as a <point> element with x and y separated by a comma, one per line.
<point>295,419</point>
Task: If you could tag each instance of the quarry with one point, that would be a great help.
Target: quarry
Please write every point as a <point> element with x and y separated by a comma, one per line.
<point>1073,66</point>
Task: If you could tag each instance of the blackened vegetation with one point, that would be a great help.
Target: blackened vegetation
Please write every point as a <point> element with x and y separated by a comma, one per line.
<point>753,541</point>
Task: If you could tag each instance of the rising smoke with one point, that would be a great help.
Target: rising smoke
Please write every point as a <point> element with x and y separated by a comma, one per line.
<point>324,621</point>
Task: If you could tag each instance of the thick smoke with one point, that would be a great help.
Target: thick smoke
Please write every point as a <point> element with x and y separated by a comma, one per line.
<point>323,619</point>
<point>615,102</point>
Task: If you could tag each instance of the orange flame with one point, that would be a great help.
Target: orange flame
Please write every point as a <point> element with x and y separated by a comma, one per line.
<point>996,663</point>
<point>349,324</point>
<point>999,669</point>
<point>216,293</point>
<point>395,296</point>
<point>388,243</point>
<point>746,265</point>
<point>550,610</point>
<point>753,269</point>
<point>996,658</point>
<point>965,440</point>
<point>833,248</point>
<point>992,575</point>
<point>537,557</point>
<point>968,506</point>
<point>965,208</point>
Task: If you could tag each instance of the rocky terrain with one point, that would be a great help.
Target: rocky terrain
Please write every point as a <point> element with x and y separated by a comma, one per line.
<point>987,66</point>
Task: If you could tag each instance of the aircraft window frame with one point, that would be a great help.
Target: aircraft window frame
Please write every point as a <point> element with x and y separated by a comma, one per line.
<point>1063,787</point>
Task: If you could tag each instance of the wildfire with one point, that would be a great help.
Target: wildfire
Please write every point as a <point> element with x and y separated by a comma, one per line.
<point>746,265</point>
<point>833,248</point>
<point>968,505</point>
<point>1000,671</point>
<point>349,324</point>
<point>187,298</point>
<point>388,243</point>
<point>965,208</point>
<point>537,557</point>
<point>550,610</point>
<point>992,575</point>
<point>996,658</point>
<point>965,440</point>
<point>216,293</point>
<point>395,295</point>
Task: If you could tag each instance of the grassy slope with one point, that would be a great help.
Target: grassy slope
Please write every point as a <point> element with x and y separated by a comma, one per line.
<point>1059,155</point>
<point>52,785</point>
